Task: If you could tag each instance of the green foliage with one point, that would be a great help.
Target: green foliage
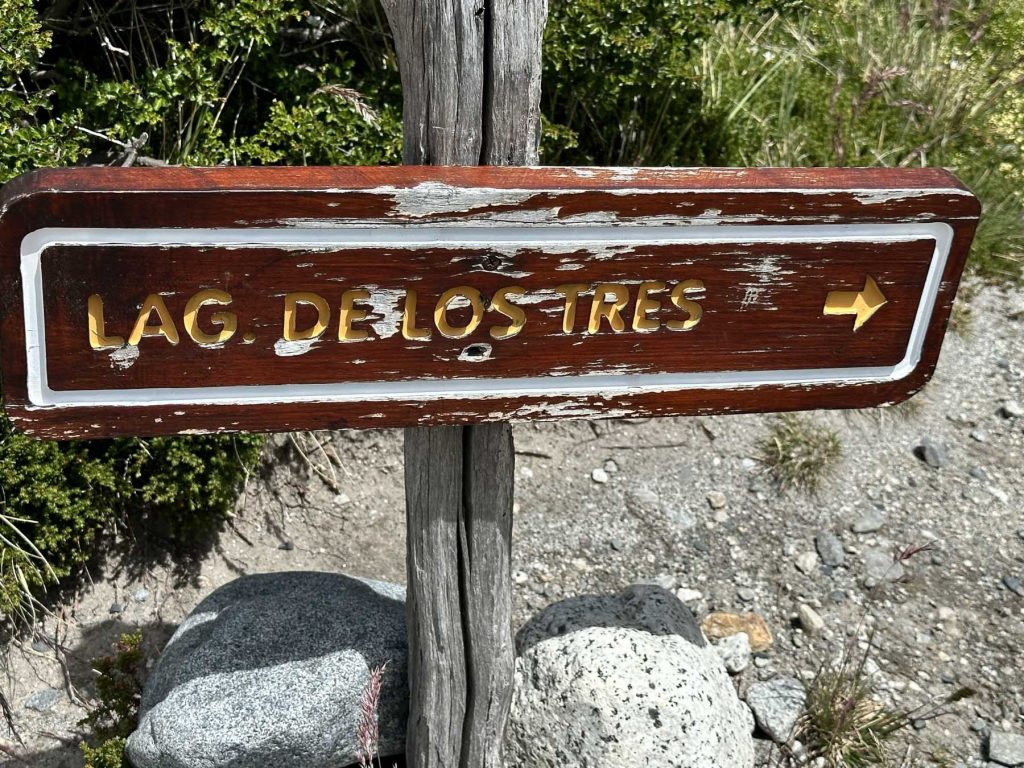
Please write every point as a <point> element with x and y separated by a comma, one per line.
<point>201,82</point>
<point>59,500</point>
<point>118,691</point>
<point>109,754</point>
<point>798,452</point>
<point>617,88</point>
<point>881,82</point>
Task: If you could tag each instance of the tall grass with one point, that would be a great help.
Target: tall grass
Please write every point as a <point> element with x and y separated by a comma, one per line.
<point>882,83</point>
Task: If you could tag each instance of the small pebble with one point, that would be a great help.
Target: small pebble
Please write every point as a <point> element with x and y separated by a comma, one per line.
<point>1011,409</point>
<point>868,523</point>
<point>116,608</point>
<point>141,595</point>
<point>807,563</point>
<point>810,620</point>
<point>287,545</point>
<point>934,454</point>
<point>599,476</point>
<point>610,466</point>
<point>746,594</point>
<point>1013,584</point>
<point>689,595</point>
<point>618,544</point>
<point>830,548</point>
<point>716,499</point>
<point>978,473</point>
<point>979,436</point>
<point>44,700</point>
<point>342,499</point>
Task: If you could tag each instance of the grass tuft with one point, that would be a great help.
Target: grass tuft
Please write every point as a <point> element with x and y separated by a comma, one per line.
<point>799,452</point>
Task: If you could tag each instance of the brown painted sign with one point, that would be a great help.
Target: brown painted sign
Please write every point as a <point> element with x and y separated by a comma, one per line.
<point>174,300</point>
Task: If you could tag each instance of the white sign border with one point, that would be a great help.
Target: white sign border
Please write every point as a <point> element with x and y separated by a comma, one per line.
<point>599,385</point>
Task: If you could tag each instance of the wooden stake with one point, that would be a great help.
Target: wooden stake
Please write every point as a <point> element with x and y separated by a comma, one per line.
<point>471,91</point>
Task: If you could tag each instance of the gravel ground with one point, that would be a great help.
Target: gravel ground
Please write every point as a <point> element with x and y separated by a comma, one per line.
<point>685,503</point>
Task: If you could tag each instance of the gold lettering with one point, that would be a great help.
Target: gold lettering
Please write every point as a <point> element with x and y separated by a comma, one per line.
<point>227,320</point>
<point>166,328</point>
<point>98,338</point>
<point>409,329</point>
<point>350,314</point>
<point>645,305</point>
<point>602,307</point>
<point>323,312</point>
<point>470,294</point>
<point>500,303</point>
<point>691,308</point>
<point>572,292</point>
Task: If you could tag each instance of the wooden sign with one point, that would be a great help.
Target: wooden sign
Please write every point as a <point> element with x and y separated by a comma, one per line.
<point>174,301</point>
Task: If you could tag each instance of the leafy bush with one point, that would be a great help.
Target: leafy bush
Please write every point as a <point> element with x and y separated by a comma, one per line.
<point>201,82</point>
<point>60,500</point>
<point>617,86</point>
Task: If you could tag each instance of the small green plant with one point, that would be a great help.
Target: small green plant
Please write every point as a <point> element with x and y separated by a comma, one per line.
<point>109,754</point>
<point>118,693</point>
<point>798,452</point>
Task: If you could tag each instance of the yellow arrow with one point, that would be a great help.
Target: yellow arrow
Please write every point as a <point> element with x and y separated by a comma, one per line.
<point>863,303</point>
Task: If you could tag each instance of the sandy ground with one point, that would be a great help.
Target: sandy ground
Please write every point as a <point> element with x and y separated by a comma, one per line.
<point>334,501</point>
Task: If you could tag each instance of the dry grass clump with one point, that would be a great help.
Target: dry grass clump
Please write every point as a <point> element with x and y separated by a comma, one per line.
<point>798,452</point>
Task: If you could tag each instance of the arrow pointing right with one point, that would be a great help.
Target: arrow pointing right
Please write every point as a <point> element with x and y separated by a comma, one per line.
<point>863,303</point>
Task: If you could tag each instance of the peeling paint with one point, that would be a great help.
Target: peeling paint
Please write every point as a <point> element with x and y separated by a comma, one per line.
<point>124,357</point>
<point>285,348</point>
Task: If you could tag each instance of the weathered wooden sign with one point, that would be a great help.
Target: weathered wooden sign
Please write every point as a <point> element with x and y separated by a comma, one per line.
<point>175,300</point>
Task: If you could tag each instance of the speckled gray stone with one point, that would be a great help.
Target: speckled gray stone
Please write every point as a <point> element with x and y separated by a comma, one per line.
<point>647,607</point>
<point>1006,748</point>
<point>777,704</point>
<point>626,689</point>
<point>268,671</point>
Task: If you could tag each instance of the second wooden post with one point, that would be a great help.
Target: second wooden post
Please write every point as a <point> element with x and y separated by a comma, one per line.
<point>471,91</point>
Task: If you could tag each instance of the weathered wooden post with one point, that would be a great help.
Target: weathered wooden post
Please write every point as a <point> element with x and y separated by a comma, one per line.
<point>471,91</point>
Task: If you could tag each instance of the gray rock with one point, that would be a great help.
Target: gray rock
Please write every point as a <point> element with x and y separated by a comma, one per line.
<point>599,476</point>
<point>646,607</point>
<point>734,651</point>
<point>830,548</point>
<point>268,672</point>
<point>777,704</point>
<point>44,700</point>
<point>1011,409</point>
<point>746,594</point>
<point>1006,748</point>
<point>868,522</point>
<point>717,500</point>
<point>618,685</point>
<point>1013,584</point>
<point>978,473</point>
<point>806,562</point>
<point>934,454</point>
<point>810,620</point>
<point>141,595</point>
<point>879,566</point>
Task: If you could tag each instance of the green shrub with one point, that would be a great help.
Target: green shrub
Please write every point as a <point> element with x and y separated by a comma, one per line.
<point>883,82</point>
<point>119,680</point>
<point>61,500</point>
<point>617,86</point>
<point>200,82</point>
<point>798,452</point>
<point>109,754</point>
